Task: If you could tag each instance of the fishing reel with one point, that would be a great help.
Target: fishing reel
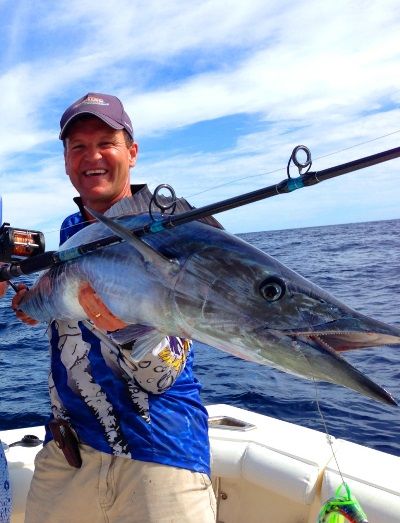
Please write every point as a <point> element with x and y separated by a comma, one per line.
<point>19,244</point>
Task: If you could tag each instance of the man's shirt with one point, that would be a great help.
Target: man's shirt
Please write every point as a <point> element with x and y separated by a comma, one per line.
<point>149,411</point>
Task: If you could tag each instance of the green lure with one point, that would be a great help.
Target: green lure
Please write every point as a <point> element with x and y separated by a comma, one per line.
<point>342,508</point>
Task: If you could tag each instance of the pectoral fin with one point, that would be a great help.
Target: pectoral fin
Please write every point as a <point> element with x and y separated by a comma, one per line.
<point>150,343</point>
<point>146,340</point>
<point>131,333</point>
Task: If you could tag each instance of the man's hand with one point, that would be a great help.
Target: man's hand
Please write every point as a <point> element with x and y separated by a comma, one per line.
<point>22,290</point>
<point>3,288</point>
<point>100,315</point>
<point>3,285</point>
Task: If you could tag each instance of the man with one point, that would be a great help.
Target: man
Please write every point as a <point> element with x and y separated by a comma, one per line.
<point>134,436</point>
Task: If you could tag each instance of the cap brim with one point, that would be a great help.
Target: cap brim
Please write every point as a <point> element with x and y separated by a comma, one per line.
<point>102,117</point>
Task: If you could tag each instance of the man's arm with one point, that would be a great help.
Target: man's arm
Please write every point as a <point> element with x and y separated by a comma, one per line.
<point>97,312</point>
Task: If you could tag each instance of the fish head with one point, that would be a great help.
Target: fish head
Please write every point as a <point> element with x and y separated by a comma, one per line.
<point>253,306</point>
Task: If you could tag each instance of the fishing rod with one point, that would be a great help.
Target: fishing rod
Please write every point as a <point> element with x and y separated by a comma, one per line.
<point>306,178</point>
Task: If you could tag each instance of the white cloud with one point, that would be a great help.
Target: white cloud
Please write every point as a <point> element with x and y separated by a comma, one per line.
<point>323,74</point>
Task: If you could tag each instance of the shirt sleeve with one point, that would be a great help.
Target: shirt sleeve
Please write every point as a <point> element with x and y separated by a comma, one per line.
<point>160,369</point>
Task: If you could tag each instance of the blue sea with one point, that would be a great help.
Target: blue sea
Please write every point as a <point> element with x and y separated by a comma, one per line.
<point>358,263</point>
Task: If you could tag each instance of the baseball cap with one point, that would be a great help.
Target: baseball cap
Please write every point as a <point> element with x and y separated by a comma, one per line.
<point>105,106</point>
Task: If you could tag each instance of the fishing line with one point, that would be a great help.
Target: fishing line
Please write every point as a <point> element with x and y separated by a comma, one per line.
<point>339,507</point>
<point>329,437</point>
<point>317,400</point>
<point>282,169</point>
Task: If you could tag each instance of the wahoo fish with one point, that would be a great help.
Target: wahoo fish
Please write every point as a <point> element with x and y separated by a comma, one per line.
<point>200,282</point>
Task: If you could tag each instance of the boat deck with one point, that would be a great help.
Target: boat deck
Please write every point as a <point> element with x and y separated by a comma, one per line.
<point>264,470</point>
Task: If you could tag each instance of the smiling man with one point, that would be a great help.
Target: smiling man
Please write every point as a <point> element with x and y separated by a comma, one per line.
<point>98,157</point>
<point>134,437</point>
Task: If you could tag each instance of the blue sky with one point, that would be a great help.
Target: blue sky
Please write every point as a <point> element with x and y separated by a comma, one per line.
<point>219,92</point>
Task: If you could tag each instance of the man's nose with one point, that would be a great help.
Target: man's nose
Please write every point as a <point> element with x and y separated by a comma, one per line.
<point>93,153</point>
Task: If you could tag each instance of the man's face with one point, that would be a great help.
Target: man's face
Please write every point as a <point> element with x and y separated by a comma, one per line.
<point>97,160</point>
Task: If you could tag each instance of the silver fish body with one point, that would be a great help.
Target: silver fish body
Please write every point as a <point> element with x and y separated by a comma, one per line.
<point>203,283</point>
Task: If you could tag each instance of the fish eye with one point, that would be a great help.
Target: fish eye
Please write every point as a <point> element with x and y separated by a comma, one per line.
<point>272,289</point>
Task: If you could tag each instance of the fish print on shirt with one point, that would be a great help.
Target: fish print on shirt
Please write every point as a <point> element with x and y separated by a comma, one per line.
<point>57,408</point>
<point>123,368</point>
<point>157,373</point>
<point>74,356</point>
<point>153,375</point>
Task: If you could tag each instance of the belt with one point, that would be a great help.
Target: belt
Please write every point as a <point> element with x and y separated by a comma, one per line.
<point>66,441</point>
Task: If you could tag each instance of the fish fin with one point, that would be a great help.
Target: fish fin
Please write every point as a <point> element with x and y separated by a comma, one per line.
<point>130,333</point>
<point>149,254</point>
<point>149,343</point>
<point>145,340</point>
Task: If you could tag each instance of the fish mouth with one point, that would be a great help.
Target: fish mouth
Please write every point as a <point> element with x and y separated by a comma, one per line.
<point>320,346</point>
<point>352,333</point>
<point>314,352</point>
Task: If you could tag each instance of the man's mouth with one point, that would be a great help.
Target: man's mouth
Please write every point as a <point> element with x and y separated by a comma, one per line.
<point>94,172</point>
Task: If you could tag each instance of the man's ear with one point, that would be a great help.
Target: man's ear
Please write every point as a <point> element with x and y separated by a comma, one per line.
<point>65,161</point>
<point>133,152</point>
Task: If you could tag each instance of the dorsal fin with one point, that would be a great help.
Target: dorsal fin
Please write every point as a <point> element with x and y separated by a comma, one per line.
<point>149,254</point>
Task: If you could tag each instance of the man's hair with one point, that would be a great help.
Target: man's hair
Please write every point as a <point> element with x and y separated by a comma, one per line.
<point>128,138</point>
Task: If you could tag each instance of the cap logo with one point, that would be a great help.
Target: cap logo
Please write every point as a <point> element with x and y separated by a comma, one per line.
<point>93,100</point>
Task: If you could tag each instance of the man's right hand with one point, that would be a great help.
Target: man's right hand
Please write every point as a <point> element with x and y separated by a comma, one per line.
<point>3,288</point>
<point>22,290</point>
<point>3,285</point>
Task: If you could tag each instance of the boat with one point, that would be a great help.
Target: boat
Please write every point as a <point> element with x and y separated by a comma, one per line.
<point>264,470</point>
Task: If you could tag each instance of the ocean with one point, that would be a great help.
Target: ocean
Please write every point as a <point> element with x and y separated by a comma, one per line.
<point>357,263</point>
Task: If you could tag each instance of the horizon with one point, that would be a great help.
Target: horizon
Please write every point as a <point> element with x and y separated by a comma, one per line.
<point>322,226</point>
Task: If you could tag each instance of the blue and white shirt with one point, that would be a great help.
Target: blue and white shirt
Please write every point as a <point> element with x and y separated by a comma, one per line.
<point>149,411</point>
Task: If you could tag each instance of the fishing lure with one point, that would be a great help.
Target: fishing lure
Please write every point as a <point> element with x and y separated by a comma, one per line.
<point>342,508</point>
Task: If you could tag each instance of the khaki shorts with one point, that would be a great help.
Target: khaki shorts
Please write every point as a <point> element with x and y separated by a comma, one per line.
<point>115,490</point>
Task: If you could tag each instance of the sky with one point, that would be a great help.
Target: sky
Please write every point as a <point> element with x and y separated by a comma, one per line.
<point>219,92</point>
